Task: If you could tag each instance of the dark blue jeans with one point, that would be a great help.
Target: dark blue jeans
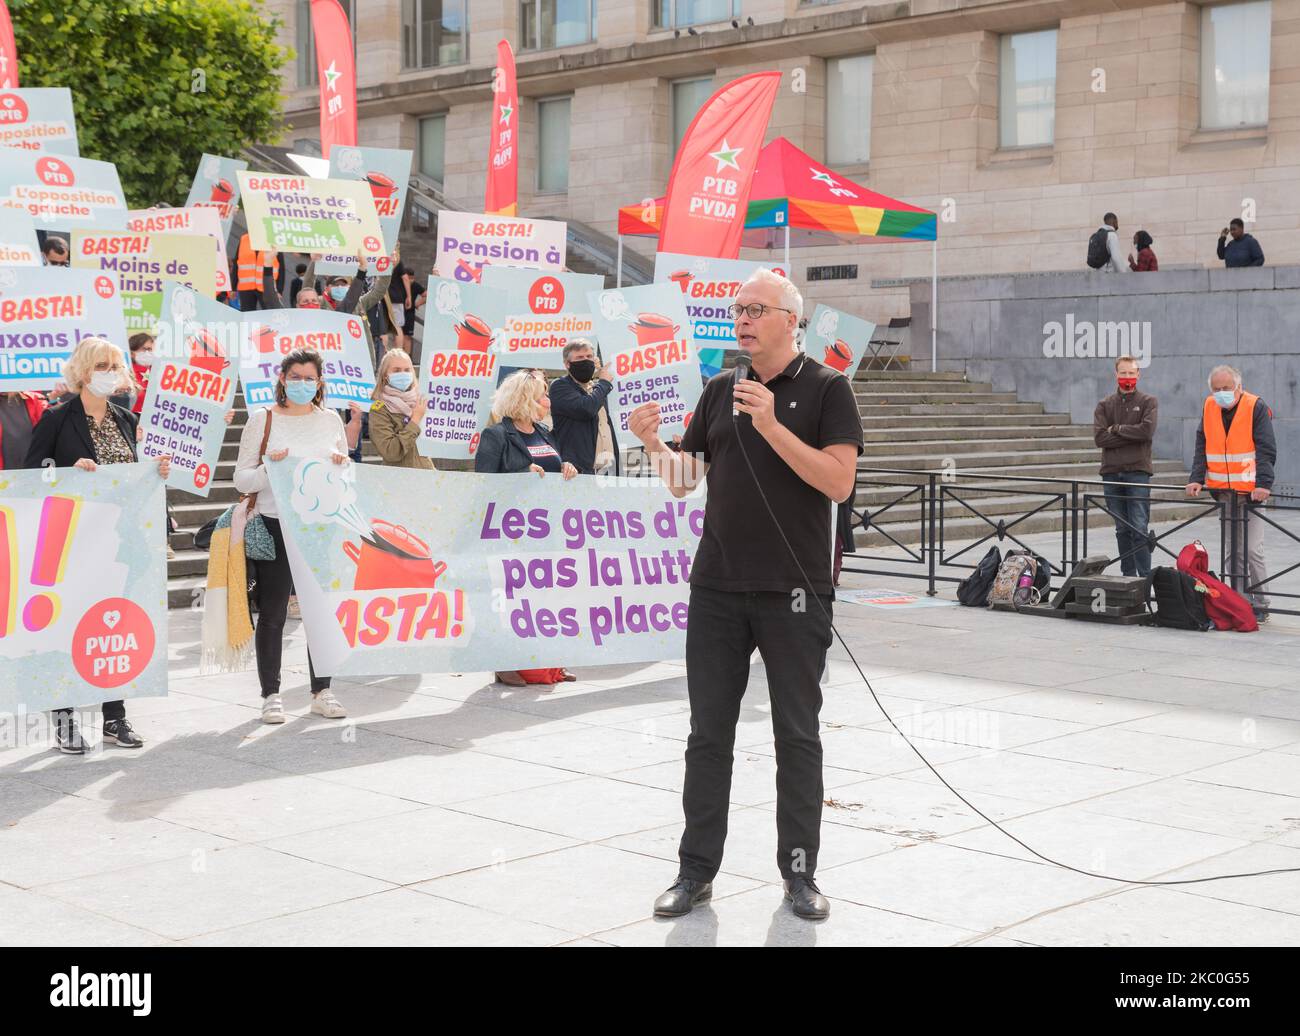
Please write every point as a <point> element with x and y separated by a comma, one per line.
<point>1129,500</point>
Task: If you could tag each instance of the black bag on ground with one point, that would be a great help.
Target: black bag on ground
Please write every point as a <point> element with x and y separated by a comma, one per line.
<point>203,538</point>
<point>1178,603</point>
<point>1098,248</point>
<point>973,591</point>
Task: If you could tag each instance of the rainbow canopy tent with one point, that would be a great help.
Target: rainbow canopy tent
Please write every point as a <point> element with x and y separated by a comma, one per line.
<point>795,200</point>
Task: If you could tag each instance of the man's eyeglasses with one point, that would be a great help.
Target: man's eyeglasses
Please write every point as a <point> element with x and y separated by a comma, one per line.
<point>59,262</point>
<point>753,310</point>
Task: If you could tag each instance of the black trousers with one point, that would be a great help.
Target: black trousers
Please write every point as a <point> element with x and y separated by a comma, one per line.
<point>721,633</point>
<point>112,710</point>
<point>274,585</point>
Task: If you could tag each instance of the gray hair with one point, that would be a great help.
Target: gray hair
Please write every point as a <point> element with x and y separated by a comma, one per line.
<point>574,345</point>
<point>790,295</point>
<point>1223,368</point>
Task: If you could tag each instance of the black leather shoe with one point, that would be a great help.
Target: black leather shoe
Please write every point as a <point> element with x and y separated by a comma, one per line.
<point>67,738</point>
<point>118,732</point>
<point>684,894</point>
<point>807,899</point>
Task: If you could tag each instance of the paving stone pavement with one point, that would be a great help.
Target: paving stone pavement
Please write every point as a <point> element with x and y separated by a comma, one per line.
<point>448,810</point>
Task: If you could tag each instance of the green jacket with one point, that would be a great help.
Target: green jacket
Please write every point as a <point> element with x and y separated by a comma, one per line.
<point>395,437</point>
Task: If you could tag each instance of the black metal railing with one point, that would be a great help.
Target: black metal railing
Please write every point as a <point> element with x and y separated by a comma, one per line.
<point>931,545</point>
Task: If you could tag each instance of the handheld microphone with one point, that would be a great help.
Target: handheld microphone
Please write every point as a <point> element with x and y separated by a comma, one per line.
<point>740,373</point>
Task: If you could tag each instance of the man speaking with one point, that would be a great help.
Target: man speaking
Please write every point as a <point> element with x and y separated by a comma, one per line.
<point>756,582</point>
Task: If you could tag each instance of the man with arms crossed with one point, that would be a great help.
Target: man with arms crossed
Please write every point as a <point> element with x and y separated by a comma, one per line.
<point>798,424</point>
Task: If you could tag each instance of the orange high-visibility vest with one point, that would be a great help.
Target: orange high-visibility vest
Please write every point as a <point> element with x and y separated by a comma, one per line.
<point>1230,455</point>
<point>250,266</point>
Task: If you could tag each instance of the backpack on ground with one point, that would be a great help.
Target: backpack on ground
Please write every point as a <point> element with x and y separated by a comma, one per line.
<point>973,591</point>
<point>1179,603</point>
<point>1224,607</point>
<point>1099,248</point>
<point>1023,579</point>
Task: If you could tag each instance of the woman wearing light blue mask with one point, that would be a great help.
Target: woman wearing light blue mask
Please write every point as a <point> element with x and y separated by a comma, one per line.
<point>300,427</point>
<point>396,412</point>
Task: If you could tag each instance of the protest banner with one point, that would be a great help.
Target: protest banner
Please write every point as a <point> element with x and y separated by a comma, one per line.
<point>184,419</point>
<point>199,219</point>
<point>645,338</point>
<point>18,244</point>
<point>195,329</point>
<point>269,335</point>
<point>83,586</point>
<point>44,312</point>
<point>709,287</point>
<point>304,214</point>
<point>216,185</point>
<point>404,571</point>
<point>386,172</point>
<point>61,191</point>
<point>839,340</point>
<point>544,311</point>
<point>458,370</point>
<point>501,196</point>
<point>39,119</point>
<point>143,263</point>
<point>468,241</point>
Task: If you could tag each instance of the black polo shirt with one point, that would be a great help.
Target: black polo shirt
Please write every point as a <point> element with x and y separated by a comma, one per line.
<point>741,549</point>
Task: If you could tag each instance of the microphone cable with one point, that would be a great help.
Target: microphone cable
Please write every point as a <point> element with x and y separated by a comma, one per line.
<point>920,755</point>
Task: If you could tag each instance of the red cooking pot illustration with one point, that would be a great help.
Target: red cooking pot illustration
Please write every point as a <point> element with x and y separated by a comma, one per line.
<point>206,352</point>
<point>264,339</point>
<point>381,186</point>
<point>653,327</point>
<point>681,278</point>
<point>222,191</point>
<point>838,355</point>
<point>473,334</point>
<point>391,557</point>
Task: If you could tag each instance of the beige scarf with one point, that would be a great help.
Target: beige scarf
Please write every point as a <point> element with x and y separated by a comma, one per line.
<point>604,439</point>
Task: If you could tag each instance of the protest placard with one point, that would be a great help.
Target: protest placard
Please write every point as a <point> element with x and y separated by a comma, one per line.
<point>199,219</point>
<point>458,370</point>
<point>709,287</point>
<point>269,335</point>
<point>304,214</point>
<point>544,312</point>
<point>83,586</point>
<point>386,172</point>
<point>468,241</point>
<point>645,339</point>
<point>143,263</point>
<point>837,339</point>
<point>61,191</point>
<point>44,312</point>
<point>184,419</point>
<point>18,244</point>
<point>403,571</point>
<point>216,185</point>
<point>38,119</point>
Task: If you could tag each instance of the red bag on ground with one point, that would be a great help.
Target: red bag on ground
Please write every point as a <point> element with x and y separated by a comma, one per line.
<point>542,675</point>
<point>1224,607</point>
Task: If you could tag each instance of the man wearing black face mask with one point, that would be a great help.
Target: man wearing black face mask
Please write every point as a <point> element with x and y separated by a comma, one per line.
<point>580,411</point>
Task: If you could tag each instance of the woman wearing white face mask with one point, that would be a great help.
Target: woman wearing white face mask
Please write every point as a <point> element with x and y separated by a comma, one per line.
<point>396,412</point>
<point>142,354</point>
<point>87,432</point>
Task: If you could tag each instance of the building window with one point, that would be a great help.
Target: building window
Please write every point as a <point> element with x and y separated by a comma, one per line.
<point>433,147</point>
<point>1234,65</point>
<point>553,144</point>
<point>1027,89</point>
<point>848,110</point>
<point>434,33</point>
<point>689,96</point>
<point>308,74</point>
<point>677,14</point>
<point>546,24</point>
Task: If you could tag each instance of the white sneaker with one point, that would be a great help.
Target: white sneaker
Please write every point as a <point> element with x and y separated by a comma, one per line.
<point>325,704</point>
<point>272,709</point>
<point>294,611</point>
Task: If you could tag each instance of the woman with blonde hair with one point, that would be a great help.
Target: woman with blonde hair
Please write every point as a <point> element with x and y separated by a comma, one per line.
<point>396,412</point>
<point>517,441</point>
<point>87,431</point>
